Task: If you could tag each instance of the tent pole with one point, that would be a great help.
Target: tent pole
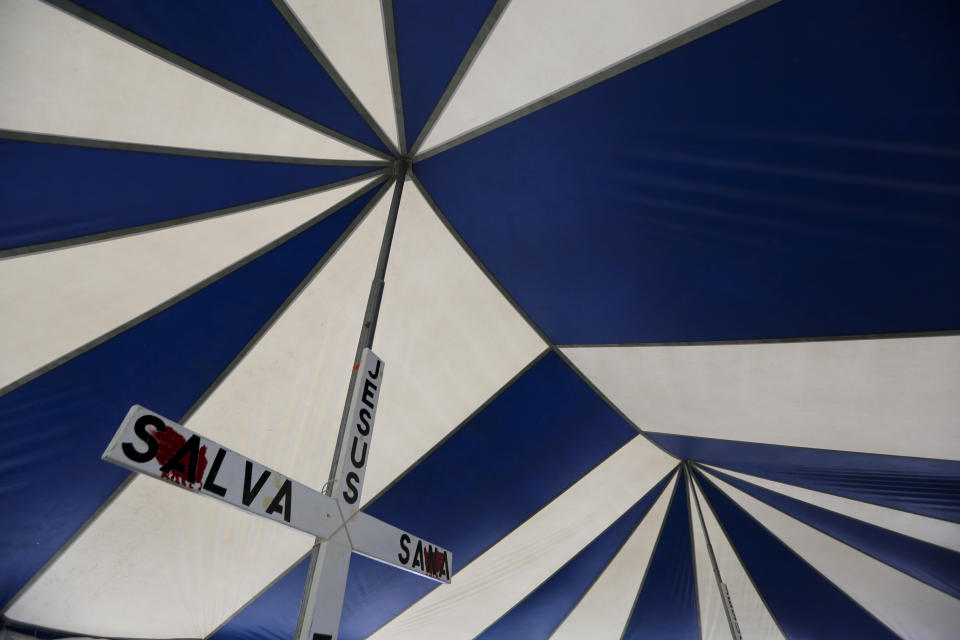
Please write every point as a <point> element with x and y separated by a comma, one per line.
<point>330,559</point>
<point>724,593</point>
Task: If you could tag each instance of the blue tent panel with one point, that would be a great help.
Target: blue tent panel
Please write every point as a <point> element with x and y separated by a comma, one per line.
<point>666,606</point>
<point>540,613</point>
<point>919,485</point>
<point>935,565</point>
<point>273,615</point>
<point>432,38</point>
<point>52,192</point>
<point>509,461</point>
<point>803,602</point>
<point>793,174</point>
<point>56,426</point>
<point>250,44</point>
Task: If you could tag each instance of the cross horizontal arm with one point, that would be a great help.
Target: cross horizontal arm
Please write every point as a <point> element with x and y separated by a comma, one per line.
<point>380,541</point>
<point>155,446</point>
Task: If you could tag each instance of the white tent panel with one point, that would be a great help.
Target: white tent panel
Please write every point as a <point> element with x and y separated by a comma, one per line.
<point>753,617</point>
<point>912,609</point>
<point>63,76</point>
<point>849,395</point>
<point>603,611</point>
<point>102,285</point>
<point>539,47</point>
<point>932,530</point>
<point>352,36</point>
<point>448,337</point>
<point>488,587</point>
<point>157,549</point>
<point>713,617</point>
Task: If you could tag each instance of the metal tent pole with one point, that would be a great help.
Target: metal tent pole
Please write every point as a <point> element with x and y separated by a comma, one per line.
<point>330,559</point>
<point>724,593</point>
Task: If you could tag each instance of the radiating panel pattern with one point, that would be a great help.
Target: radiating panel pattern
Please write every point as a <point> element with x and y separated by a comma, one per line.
<point>669,326</point>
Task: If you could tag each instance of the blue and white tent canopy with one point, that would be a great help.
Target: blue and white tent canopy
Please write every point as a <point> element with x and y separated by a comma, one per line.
<point>672,303</point>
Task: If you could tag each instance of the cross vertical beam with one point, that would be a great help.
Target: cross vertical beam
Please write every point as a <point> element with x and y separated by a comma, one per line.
<point>322,602</point>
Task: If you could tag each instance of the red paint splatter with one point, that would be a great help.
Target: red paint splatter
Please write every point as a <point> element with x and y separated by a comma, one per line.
<point>433,561</point>
<point>170,442</point>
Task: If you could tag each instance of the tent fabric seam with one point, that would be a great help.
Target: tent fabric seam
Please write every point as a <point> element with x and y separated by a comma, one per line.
<point>170,57</point>
<point>183,295</point>
<point>744,10</point>
<point>290,16</point>
<point>173,222</point>
<point>797,554</point>
<point>736,553</point>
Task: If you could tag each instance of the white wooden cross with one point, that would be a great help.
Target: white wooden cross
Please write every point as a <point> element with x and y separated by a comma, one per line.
<point>158,447</point>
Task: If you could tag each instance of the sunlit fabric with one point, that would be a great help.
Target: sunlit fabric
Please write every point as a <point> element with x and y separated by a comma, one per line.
<point>669,316</point>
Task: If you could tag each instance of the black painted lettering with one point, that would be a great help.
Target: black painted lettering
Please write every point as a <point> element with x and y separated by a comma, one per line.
<point>210,484</point>
<point>140,428</point>
<point>368,389</point>
<point>404,555</point>
<point>429,561</point>
<point>191,446</point>
<point>364,417</point>
<point>285,495</point>
<point>250,493</point>
<point>351,482</point>
<point>444,567</point>
<point>353,453</point>
<point>376,373</point>
<point>418,555</point>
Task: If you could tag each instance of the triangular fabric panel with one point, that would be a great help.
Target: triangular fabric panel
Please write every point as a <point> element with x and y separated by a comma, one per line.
<point>852,395</point>
<point>488,586</point>
<point>248,43</point>
<point>447,335</point>
<point>541,46</point>
<point>916,485</point>
<point>877,596</point>
<point>102,285</point>
<point>603,611</point>
<point>666,606</point>
<point>934,565</point>
<point>713,616</point>
<point>273,615</point>
<point>751,611</point>
<point>53,192</point>
<point>352,36</point>
<point>506,435</point>
<point>115,579</point>
<point>61,75</point>
<point>804,603</point>
<point>432,38</point>
<point>942,533</point>
<point>730,179</point>
<point>541,612</point>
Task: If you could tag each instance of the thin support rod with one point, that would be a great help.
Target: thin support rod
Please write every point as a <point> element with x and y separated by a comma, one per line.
<point>322,554</point>
<point>372,312</point>
<point>724,594</point>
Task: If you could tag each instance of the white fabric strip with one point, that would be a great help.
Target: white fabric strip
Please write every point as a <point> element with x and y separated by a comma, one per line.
<point>713,617</point>
<point>912,609</point>
<point>351,35</point>
<point>63,76</point>
<point>604,609</point>
<point>753,617</point>
<point>932,530</point>
<point>102,285</point>
<point>890,396</point>
<point>539,47</point>
<point>448,337</point>
<point>488,587</point>
<point>157,549</point>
